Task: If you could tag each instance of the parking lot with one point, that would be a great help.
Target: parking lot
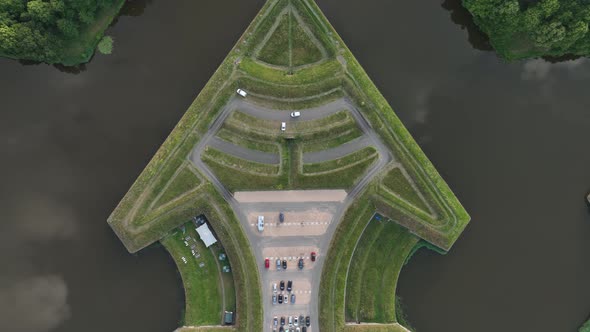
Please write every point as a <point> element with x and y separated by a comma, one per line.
<point>308,224</point>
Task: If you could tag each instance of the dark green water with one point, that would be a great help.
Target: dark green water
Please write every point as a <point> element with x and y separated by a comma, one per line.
<point>511,140</point>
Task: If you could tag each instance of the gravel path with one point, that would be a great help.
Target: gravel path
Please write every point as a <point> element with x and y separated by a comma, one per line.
<point>337,152</point>
<point>244,153</point>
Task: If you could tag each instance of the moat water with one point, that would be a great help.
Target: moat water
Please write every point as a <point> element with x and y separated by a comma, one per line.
<point>512,140</point>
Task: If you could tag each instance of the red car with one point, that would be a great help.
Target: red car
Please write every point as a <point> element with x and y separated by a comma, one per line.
<point>267,263</point>
<point>313,256</point>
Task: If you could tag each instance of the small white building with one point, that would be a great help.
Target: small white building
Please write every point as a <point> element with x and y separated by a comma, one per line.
<point>206,235</point>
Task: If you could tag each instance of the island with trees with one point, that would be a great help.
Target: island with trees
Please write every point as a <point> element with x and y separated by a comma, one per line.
<point>520,29</point>
<point>56,31</point>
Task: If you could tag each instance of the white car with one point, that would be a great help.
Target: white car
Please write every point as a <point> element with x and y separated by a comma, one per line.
<point>242,92</point>
<point>283,126</point>
<point>295,114</point>
<point>260,223</point>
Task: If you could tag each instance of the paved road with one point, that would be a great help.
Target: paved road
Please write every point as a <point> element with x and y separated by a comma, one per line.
<point>244,153</point>
<point>337,152</point>
<point>313,113</point>
<point>258,242</point>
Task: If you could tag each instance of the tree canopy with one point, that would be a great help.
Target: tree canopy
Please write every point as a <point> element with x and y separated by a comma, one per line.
<point>41,29</point>
<point>523,29</point>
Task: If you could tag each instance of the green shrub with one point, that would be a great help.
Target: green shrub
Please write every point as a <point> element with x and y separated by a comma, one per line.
<point>105,46</point>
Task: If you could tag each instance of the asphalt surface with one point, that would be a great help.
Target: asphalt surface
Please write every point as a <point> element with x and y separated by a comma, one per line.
<point>258,242</point>
<point>244,153</point>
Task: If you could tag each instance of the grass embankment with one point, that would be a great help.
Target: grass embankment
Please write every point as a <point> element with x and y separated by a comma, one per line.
<point>452,217</point>
<point>375,267</point>
<point>303,50</point>
<point>211,154</point>
<point>277,50</point>
<point>397,182</point>
<point>333,282</point>
<point>202,285</point>
<point>289,45</point>
<point>332,140</point>
<point>306,87</point>
<point>238,174</point>
<point>184,181</point>
<point>346,161</point>
<point>252,126</point>
<point>134,224</point>
<point>81,49</point>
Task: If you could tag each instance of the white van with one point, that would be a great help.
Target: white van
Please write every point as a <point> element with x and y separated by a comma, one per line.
<point>283,126</point>
<point>260,223</point>
<point>295,114</point>
<point>242,92</point>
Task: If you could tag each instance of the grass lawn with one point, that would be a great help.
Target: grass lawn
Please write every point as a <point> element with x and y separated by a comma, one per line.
<point>202,285</point>
<point>185,181</point>
<point>277,51</point>
<point>334,164</point>
<point>227,279</point>
<point>372,279</point>
<point>399,184</point>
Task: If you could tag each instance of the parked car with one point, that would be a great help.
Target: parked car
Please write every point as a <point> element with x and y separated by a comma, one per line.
<point>282,285</point>
<point>267,263</point>
<point>293,302</point>
<point>242,92</point>
<point>274,299</point>
<point>281,329</point>
<point>313,255</point>
<point>304,329</point>
<point>282,320</point>
<point>295,114</point>
<point>274,287</point>
<point>301,320</point>
<point>281,217</point>
<point>307,321</point>
<point>260,223</point>
<point>284,264</point>
<point>289,285</point>
<point>283,126</point>
<point>280,298</point>
<point>290,320</point>
<point>275,321</point>
<point>295,321</point>
<point>278,264</point>
<point>300,264</point>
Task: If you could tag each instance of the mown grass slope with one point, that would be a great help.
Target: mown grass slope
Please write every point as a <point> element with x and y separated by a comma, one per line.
<point>372,278</point>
